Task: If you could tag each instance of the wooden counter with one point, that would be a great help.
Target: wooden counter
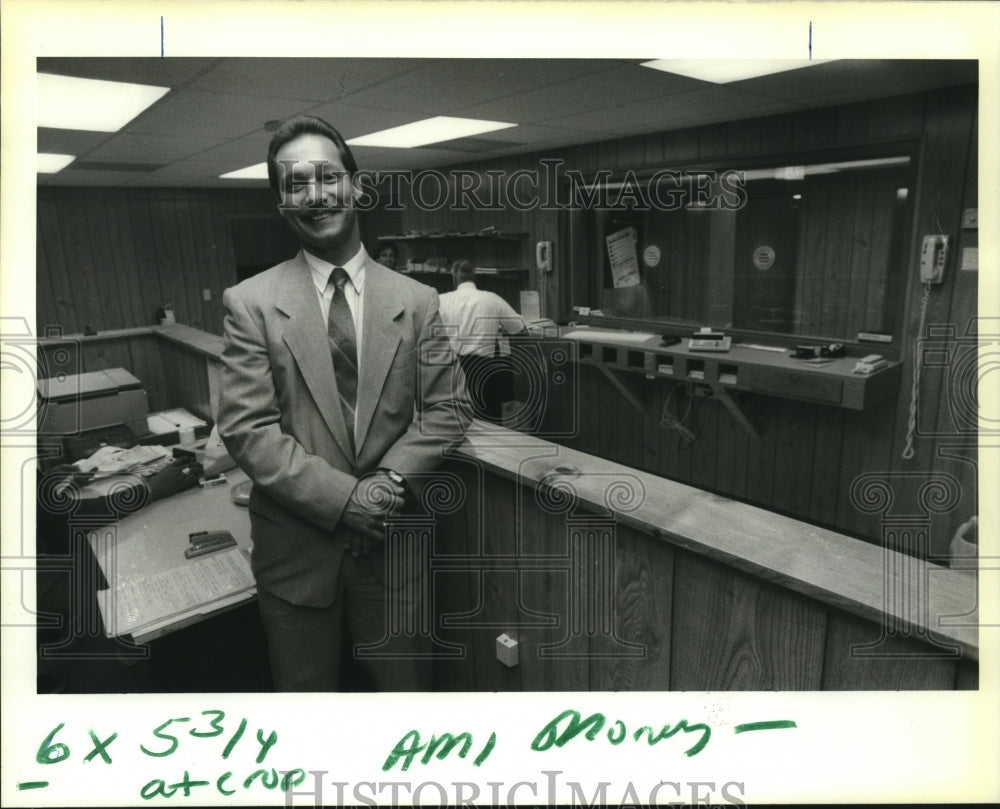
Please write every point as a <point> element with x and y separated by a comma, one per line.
<point>612,578</point>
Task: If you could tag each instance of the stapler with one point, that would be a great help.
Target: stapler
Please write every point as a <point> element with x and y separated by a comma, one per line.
<point>204,542</point>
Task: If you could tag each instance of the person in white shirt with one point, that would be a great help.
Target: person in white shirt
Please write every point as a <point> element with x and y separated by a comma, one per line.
<point>479,323</point>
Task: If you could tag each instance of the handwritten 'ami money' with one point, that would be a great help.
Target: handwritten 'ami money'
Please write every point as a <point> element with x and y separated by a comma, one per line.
<point>565,727</point>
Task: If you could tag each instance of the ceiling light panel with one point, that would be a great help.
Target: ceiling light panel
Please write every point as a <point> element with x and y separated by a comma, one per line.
<point>723,71</point>
<point>51,163</point>
<point>94,105</point>
<point>427,131</point>
<point>256,172</point>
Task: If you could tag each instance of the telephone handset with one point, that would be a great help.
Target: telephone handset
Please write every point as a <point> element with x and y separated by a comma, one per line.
<point>933,256</point>
<point>543,256</point>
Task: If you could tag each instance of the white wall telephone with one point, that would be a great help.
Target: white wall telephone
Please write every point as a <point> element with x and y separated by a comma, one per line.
<point>543,256</point>
<point>933,256</point>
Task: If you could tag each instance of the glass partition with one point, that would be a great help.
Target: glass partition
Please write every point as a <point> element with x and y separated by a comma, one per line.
<point>813,249</point>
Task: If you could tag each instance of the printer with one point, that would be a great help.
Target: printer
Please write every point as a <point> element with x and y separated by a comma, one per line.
<point>92,409</point>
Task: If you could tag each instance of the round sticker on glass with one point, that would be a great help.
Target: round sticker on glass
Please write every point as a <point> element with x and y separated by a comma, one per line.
<point>763,257</point>
<point>651,256</point>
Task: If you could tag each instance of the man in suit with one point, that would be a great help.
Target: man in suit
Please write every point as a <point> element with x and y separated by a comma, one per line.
<point>338,399</point>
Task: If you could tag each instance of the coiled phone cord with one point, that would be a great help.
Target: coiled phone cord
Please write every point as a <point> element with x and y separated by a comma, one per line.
<point>911,425</point>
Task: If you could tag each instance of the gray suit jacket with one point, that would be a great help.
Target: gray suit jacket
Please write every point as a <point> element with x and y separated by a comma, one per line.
<point>280,416</point>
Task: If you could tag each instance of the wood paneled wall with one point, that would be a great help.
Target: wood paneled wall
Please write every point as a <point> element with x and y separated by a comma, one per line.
<point>110,257</point>
<point>809,456</point>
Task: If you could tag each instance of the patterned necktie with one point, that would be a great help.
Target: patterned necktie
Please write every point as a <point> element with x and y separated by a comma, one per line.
<point>344,348</point>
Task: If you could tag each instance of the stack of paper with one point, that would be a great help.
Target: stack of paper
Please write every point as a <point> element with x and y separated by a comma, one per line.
<point>168,421</point>
<point>144,604</point>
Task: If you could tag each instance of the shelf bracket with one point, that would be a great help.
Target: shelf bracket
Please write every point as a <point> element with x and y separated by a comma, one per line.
<point>734,409</point>
<point>626,388</point>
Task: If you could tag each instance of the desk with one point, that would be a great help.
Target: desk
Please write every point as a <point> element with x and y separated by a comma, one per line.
<point>153,540</point>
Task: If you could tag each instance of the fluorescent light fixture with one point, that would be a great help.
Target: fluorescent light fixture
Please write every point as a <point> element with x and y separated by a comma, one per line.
<point>256,172</point>
<point>801,172</point>
<point>723,71</point>
<point>51,163</point>
<point>430,130</point>
<point>93,105</point>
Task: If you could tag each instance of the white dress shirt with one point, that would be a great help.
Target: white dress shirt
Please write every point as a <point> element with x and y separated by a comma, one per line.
<point>353,292</point>
<point>481,318</point>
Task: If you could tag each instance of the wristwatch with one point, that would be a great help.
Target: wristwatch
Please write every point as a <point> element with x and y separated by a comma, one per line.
<point>395,477</point>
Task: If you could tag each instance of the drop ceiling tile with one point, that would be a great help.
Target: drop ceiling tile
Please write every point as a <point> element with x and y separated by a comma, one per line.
<point>69,141</point>
<point>556,102</point>
<point>617,84</point>
<point>441,87</point>
<point>193,168</point>
<point>169,72</point>
<point>675,111</point>
<point>309,79</point>
<point>858,79</point>
<point>237,153</point>
<point>128,147</point>
<point>214,115</point>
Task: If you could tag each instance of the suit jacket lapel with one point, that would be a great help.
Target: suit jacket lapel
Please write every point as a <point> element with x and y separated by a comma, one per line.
<point>306,338</point>
<point>379,341</point>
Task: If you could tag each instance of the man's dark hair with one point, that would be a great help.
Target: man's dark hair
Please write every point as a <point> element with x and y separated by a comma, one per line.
<point>295,127</point>
<point>462,271</point>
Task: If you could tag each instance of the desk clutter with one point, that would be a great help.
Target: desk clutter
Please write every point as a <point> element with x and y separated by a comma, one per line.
<point>142,605</point>
<point>173,563</point>
<point>114,452</point>
<point>90,411</point>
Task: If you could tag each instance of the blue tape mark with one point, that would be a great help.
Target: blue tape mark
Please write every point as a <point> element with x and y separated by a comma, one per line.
<point>161,35</point>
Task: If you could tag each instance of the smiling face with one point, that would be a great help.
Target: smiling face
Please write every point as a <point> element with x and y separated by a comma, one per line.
<point>321,196</point>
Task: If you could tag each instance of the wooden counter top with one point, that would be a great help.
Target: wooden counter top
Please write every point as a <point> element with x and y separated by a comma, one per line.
<point>830,567</point>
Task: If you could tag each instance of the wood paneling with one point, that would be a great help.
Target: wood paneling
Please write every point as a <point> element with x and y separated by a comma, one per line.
<point>858,658</point>
<point>732,632</point>
<point>186,379</point>
<point>644,575</point>
<point>110,257</point>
